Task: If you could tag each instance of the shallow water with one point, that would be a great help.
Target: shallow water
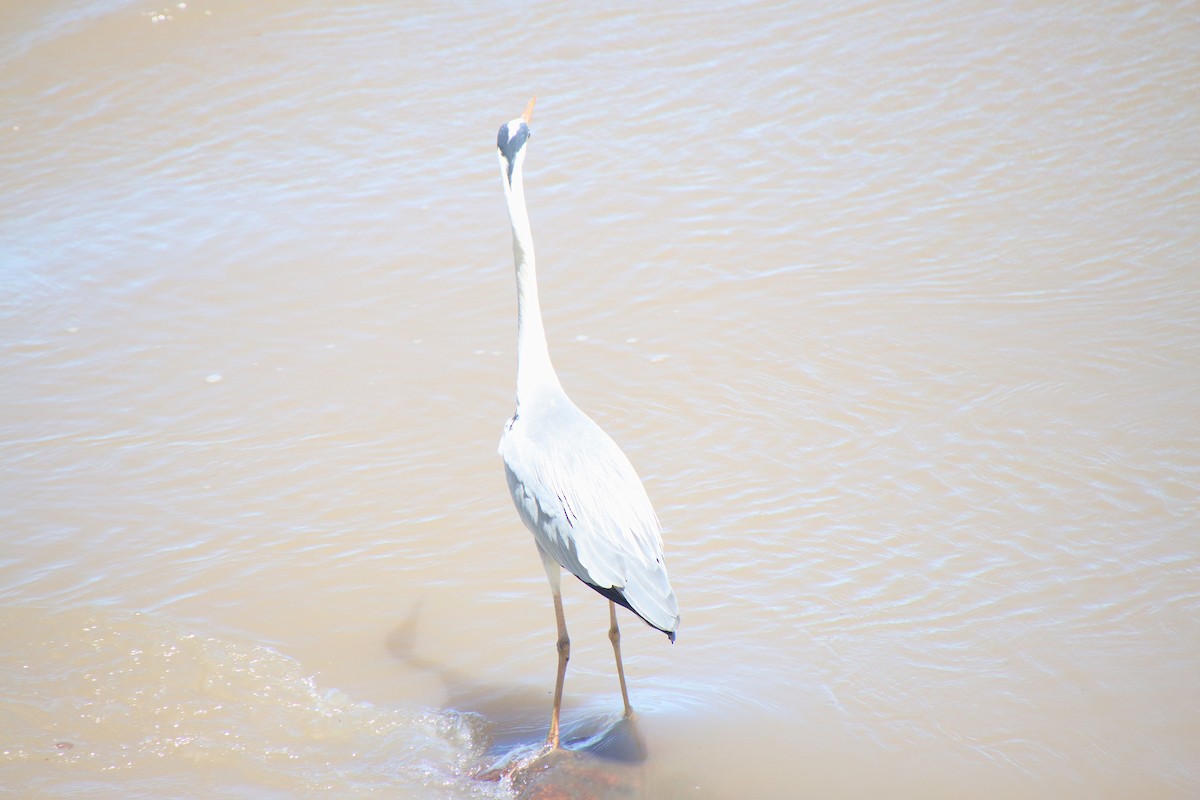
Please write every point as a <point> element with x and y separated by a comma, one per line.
<point>895,311</point>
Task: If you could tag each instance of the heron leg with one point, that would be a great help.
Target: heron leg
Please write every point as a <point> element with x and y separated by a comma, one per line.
<point>614,636</point>
<point>564,653</point>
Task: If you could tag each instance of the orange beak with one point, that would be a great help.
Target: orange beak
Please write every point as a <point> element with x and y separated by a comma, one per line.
<point>527,114</point>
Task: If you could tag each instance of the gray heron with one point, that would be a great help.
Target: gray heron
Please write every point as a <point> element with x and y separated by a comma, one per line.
<point>572,486</point>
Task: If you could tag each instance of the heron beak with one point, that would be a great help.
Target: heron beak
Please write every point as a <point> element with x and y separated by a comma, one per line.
<point>527,114</point>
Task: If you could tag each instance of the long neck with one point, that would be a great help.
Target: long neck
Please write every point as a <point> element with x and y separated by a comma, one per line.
<point>534,371</point>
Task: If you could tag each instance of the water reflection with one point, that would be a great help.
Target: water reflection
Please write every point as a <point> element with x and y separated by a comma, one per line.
<point>905,297</point>
<point>601,756</point>
<point>515,713</point>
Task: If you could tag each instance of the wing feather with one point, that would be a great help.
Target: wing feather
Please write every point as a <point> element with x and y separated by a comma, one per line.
<point>585,505</point>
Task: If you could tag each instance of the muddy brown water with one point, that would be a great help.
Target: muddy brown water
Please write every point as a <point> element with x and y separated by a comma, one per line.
<point>895,309</point>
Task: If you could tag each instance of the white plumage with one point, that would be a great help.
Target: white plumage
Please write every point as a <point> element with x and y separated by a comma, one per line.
<point>572,486</point>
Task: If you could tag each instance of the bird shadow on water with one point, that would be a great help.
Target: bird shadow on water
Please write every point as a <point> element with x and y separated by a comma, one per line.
<point>602,758</point>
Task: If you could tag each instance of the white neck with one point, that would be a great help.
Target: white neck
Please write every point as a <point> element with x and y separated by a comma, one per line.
<point>535,373</point>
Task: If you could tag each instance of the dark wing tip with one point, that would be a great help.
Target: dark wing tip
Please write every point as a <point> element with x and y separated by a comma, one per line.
<point>615,594</point>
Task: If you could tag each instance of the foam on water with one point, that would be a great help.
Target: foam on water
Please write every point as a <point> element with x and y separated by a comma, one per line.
<point>894,308</point>
<point>96,699</point>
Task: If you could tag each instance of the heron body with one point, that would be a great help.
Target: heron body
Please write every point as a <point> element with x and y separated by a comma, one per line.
<point>572,486</point>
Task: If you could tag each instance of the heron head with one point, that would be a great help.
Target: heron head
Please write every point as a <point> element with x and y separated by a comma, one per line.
<point>510,141</point>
